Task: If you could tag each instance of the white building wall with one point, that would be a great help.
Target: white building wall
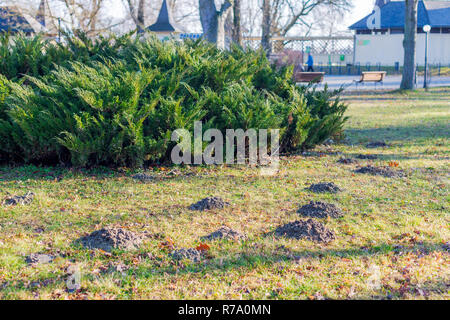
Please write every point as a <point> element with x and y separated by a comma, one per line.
<point>387,49</point>
<point>324,59</point>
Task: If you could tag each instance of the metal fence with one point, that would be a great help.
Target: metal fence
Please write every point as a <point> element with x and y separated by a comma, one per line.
<point>316,45</point>
<point>332,55</point>
<point>326,50</point>
<point>436,70</point>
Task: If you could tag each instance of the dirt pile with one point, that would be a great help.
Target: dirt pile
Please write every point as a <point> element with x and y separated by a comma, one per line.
<point>143,177</point>
<point>317,209</point>
<point>377,144</point>
<point>209,204</point>
<point>186,253</point>
<point>23,200</point>
<point>224,233</point>
<point>306,229</point>
<point>39,258</point>
<point>381,171</point>
<point>324,187</point>
<point>347,161</point>
<point>110,238</point>
<point>367,156</point>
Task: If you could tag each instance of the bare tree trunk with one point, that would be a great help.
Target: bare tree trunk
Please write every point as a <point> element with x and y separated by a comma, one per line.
<point>409,45</point>
<point>137,14</point>
<point>208,18</point>
<point>237,33</point>
<point>213,21</point>
<point>266,23</point>
<point>141,16</point>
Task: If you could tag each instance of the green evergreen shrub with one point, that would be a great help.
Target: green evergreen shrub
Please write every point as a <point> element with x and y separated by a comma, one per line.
<point>116,100</point>
<point>95,113</point>
<point>6,142</point>
<point>327,112</point>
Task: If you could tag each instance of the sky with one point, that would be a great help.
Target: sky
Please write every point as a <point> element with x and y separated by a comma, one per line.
<point>361,8</point>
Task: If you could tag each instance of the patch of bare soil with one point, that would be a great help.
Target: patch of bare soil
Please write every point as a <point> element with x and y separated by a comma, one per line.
<point>209,204</point>
<point>317,209</point>
<point>39,258</point>
<point>381,171</point>
<point>377,144</point>
<point>186,253</point>
<point>143,177</point>
<point>23,200</point>
<point>306,229</point>
<point>446,246</point>
<point>324,187</point>
<point>367,156</point>
<point>224,233</point>
<point>347,161</point>
<point>110,238</point>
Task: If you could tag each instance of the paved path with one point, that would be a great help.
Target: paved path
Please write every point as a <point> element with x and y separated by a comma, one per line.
<point>390,82</point>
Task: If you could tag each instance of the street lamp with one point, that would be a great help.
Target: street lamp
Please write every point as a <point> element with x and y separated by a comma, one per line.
<point>426,29</point>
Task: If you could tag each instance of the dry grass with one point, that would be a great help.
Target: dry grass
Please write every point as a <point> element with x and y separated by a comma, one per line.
<point>392,242</point>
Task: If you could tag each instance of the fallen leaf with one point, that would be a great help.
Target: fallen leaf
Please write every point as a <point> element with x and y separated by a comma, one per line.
<point>203,247</point>
<point>167,245</point>
<point>393,164</point>
<point>104,253</point>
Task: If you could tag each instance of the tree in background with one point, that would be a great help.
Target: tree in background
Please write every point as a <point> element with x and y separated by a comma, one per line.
<point>137,13</point>
<point>279,17</point>
<point>85,15</point>
<point>409,45</point>
<point>266,27</point>
<point>141,13</point>
<point>220,19</point>
<point>237,32</point>
<point>89,16</point>
<point>287,14</point>
<point>213,20</point>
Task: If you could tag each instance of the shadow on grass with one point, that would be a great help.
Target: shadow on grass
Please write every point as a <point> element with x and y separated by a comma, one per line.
<point>397,94</point>
<point>400,134</point>
<point>53,173</point>
<point>252,257</point>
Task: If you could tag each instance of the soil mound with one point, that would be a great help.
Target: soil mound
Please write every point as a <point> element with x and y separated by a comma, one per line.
<point>39,258</point>
<point>15,200</point>
<point>110,238</point>
<point>324,187</point>
<point>347,161</point>
<point>381,171</point>
<point>377,144</point>
<point>317,209</point>
<point>208,204</point>
<point>186,253</point>
<point>224,233</point>
<point>306,229</point>
<point>143,177</point>
<point>367,156</point>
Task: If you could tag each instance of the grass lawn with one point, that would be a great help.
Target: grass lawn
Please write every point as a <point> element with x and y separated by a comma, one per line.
<point>393,241</point>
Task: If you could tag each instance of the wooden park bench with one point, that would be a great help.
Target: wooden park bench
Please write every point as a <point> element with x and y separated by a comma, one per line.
<point>371,76</point>
<point>310,77</point>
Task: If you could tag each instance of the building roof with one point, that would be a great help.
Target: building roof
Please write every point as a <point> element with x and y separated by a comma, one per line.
<point>434,13</point>
<point>164,23</point>
<point>12,20</point>
<point>40,16</point>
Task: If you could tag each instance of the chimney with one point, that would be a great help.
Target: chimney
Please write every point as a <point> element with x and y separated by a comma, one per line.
<point>40,17</point>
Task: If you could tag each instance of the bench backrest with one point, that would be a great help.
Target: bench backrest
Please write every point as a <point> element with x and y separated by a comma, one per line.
<point>373,76</point>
